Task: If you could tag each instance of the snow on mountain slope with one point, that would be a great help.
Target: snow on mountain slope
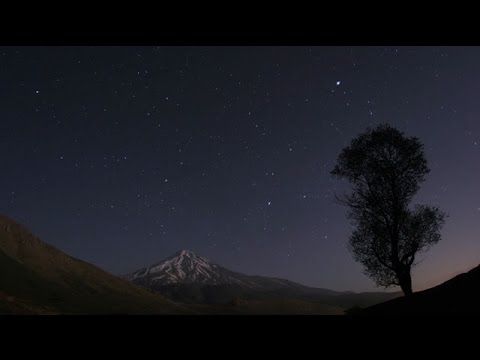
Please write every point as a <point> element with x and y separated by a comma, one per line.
<point>185,267</point>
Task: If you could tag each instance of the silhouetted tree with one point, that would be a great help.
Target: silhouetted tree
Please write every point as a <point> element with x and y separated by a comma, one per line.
<point>385,169</point>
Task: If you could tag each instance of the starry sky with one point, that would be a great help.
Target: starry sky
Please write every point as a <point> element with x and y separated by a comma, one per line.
<point>123,155</point>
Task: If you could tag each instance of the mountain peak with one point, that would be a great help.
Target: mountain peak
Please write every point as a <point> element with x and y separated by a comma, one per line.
<point>186,267</point>
<point>183,267</point>
<point>185,253</point>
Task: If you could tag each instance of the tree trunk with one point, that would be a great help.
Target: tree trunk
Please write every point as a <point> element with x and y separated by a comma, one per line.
<point>405,281</point>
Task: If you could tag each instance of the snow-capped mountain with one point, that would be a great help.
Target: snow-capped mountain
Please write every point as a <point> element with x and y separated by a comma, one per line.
<point>185,267</point>
<point>189,278</point>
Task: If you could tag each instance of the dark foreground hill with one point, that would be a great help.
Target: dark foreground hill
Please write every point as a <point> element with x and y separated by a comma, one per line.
<point>459,295</point>
<point>36,278</point>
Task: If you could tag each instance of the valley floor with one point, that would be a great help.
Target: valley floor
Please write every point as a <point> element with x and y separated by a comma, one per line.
<point>280,307</point>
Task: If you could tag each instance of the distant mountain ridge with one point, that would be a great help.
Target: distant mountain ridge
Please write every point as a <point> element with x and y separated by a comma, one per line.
<point>188,277</point>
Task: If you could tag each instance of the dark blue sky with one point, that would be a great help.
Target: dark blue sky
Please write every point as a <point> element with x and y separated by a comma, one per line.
<point>123,155</point>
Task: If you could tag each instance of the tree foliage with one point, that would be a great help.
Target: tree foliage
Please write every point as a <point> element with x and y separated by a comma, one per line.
<point>385,169</point>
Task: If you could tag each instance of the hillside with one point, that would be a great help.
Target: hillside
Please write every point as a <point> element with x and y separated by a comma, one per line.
<point>459,295</point>
<point>36,278</point>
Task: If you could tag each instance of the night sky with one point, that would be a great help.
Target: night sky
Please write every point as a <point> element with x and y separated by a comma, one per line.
<point>121,156</point>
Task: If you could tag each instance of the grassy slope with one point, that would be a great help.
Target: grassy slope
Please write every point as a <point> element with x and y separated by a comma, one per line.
<point>38,278</point>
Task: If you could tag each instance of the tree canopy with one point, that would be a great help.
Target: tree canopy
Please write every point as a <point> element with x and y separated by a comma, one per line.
<point>385,169</point>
